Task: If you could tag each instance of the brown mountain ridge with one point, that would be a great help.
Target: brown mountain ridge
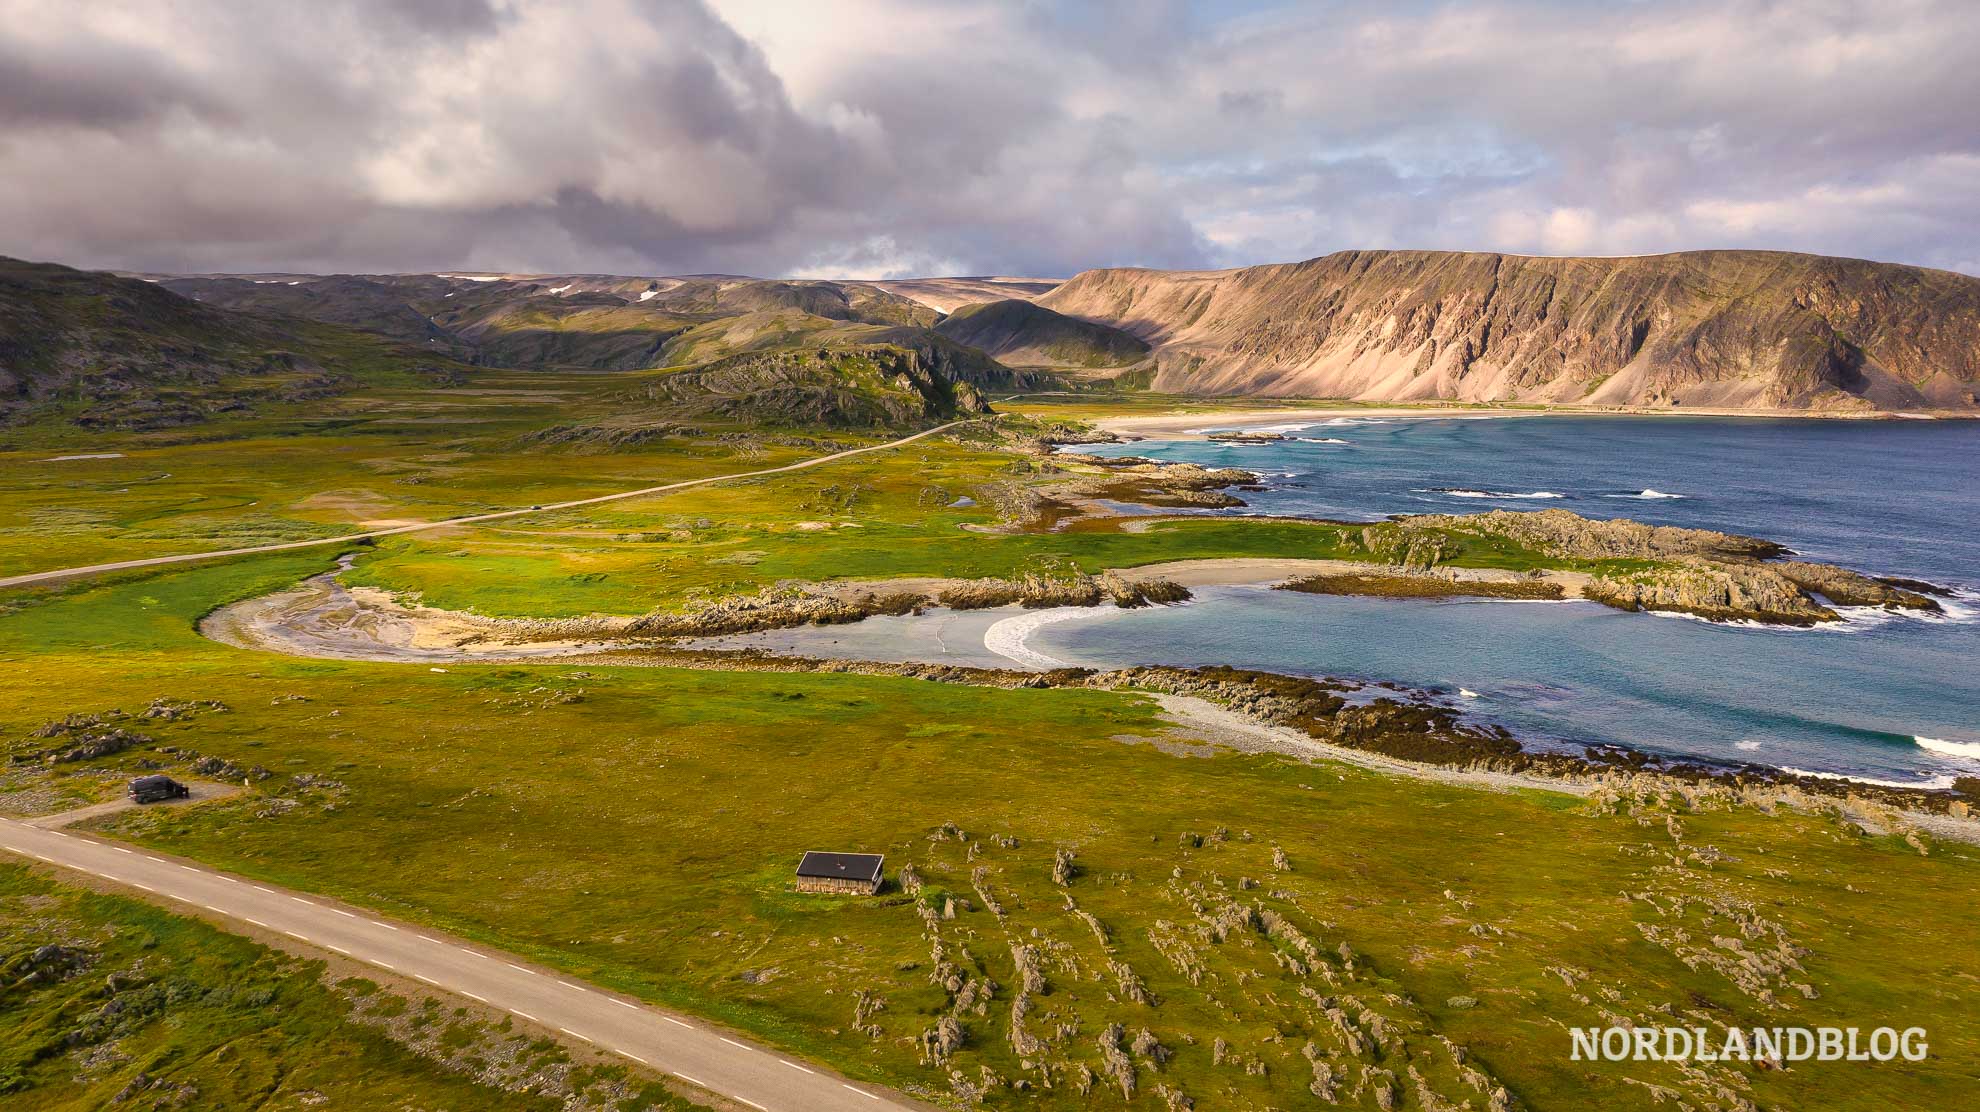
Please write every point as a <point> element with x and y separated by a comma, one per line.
<point>1752,330</point>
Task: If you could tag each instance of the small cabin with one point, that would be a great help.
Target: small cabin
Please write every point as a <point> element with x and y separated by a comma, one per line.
<point>842,874</point>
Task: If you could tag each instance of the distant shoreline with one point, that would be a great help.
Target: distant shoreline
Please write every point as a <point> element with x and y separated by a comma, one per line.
<point>1179,426</point>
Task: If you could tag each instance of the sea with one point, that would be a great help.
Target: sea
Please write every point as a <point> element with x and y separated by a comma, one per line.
<point>1880,697</point>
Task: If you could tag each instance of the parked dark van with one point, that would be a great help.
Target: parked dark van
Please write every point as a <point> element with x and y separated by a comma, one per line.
<point>151,789</point>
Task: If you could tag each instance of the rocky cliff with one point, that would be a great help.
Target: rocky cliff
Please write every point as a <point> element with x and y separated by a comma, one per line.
<point>1730,329</point>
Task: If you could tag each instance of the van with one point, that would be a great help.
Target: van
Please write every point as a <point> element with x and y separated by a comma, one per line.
<point>152,789</point>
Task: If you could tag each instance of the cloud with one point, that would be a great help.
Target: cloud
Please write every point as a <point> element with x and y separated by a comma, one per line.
<point>882,136</point>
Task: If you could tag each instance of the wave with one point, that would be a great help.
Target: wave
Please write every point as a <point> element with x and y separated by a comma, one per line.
<point>1931,784</point>
<point>1646,494</point>
<point>1462,492</point>
<point>1321,440</point>
<point>1206,430</point>
<point>1852,620</point>
<point>1007,638</point>
<point>1949,748</point>
<point>1747,746</point>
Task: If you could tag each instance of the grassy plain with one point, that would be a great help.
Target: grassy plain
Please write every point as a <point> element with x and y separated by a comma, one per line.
<point>113,1002</point>
<point>396,454</point>
<point>637,827</point>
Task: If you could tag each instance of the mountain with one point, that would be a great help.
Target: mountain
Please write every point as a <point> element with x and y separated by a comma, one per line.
<point>108,351</point>
<point>1722,329</point>
<point>590,322</point>
<point>1027,335</point>
<point>111,352</point>
<point>945,295</point>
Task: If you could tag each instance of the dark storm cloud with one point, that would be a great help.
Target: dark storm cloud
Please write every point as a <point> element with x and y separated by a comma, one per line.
<point>876,136</point>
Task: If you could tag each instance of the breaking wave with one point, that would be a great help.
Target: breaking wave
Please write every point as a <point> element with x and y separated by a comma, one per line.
<point>1949,748</point>
<point>1462,492</point>
<point>1646,494</point>
<point>1935,783</point>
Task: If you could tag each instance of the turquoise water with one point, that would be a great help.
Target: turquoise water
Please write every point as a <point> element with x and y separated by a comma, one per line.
<point>1896,498</point>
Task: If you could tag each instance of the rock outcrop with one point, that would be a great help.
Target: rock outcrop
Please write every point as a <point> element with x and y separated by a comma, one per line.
<point>1723,329</point>
<point>1564,533</point>
<point>1702,572</point>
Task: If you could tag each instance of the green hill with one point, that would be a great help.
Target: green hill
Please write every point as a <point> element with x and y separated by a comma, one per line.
<point>1029,335</point>
<point>120,353</point>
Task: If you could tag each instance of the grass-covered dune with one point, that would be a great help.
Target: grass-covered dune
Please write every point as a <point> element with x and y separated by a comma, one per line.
<point>1254,926</point>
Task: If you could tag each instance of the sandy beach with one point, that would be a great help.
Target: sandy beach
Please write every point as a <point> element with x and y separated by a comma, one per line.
<point>1185,425</point>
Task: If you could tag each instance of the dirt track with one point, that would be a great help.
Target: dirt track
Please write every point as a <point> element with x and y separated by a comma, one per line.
<point>59,574</point>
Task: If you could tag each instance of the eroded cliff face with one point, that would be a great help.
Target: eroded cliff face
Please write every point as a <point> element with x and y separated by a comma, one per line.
<point>1735,329</point>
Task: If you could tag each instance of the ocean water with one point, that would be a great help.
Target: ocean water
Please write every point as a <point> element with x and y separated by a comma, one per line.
<point>1880,697</point>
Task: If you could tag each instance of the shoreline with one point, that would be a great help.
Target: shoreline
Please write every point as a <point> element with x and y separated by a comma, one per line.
<point>1178,425</point>
<point>370,625</point>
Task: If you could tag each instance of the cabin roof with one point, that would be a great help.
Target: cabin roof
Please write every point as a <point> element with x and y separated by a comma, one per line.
<point>840,866</point>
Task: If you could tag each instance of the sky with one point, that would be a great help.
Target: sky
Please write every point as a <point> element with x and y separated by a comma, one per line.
<point>883,138</point>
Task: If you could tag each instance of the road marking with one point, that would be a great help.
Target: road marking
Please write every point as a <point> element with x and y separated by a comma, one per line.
<point>256,922</point>
<point>210,907</point>
<point>293,934</point>
<point>580,988</point>
<point>677,1023</point>
<point>435,941</point>
<point>473,997</point>
<point>338,949</point>
<point>752,1103</point>
<point>189,868</point>
<point>58,833</point>
<point>387,926</point>
<point>861,1092</point>
<point>302,901</point>
<point>692,1081</point>
<point>426,978</point>
<point>120,849</point>
<point>734,1043</point>
<point>259,888</point>
<point>634,1057</point>
<point>519,969</point>
<point>574,1034</point>
<point>623,1004</point>
<point>228,879</point>
<point>146,887</point>
<point>795,1066</point>
<point>525,1015</point>
<point>345,914</point>
<point>385,965</point>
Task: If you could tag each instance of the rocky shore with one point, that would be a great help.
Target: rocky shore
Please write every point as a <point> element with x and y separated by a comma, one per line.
<point>1412,727</point>
<point>1723,577</point>
<point>1426,585</point>
<point>1335,718</point>
<point>784,607</point>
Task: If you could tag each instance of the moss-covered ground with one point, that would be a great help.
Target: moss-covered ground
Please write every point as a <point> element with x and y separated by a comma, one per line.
<point>638,827</point>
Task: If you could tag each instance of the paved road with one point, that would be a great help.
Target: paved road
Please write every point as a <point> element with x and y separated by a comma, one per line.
<point>697,1054</point>
<point>153,561</point>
